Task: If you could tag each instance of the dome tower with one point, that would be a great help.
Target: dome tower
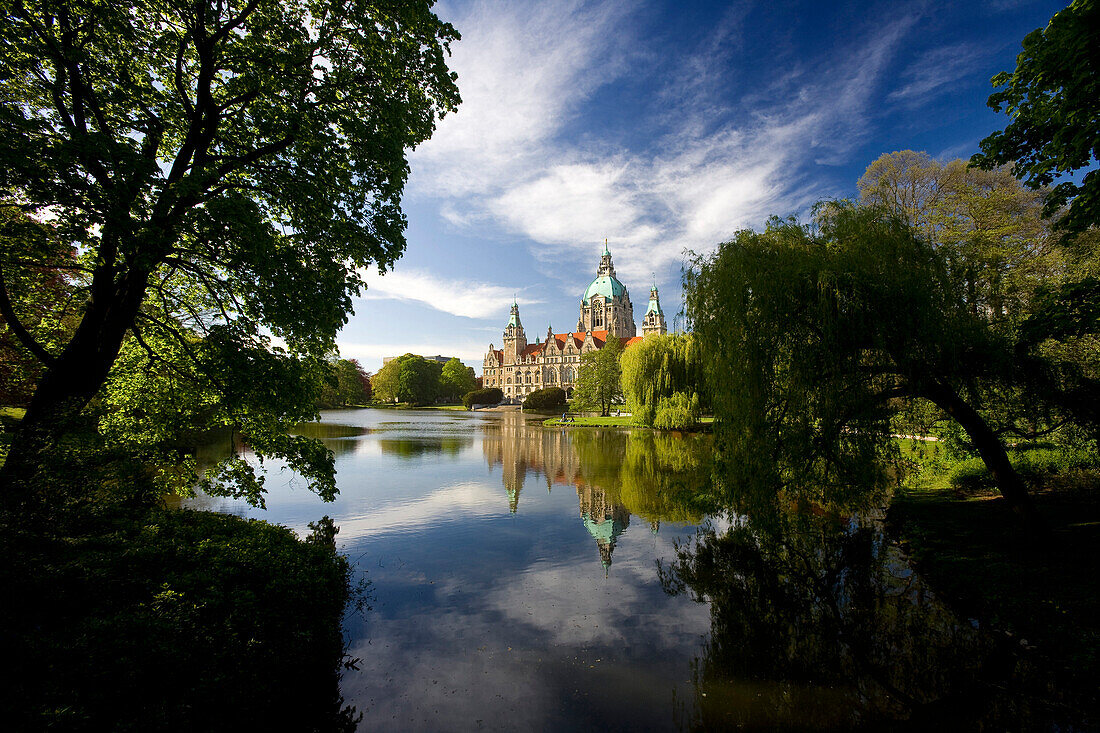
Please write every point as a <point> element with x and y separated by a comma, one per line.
<point>606,304</point>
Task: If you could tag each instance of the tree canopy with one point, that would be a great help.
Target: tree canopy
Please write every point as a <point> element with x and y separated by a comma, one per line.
<point>408,378</point>
<point>226,171</point>
<point>456,379</point>
<point>1053,98</point>
<point>660,368</point>
<point>599,378</point>
<point>816,336</point>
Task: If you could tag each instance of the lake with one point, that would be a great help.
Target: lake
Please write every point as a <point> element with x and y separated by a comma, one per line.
<point>523,577</point>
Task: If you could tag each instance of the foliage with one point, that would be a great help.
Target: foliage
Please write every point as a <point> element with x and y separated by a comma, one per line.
<point>987,226</point>
<point>599,378</point>
<point>35,295</point>
<point>488,396</point>
<point>1053,98</point>
<point>168,620</point>
<point>814,337</point>
<point>163,395</point>
<point>656,368</point>
<point>346,384</point>
<point>679,411</point>
<point>209,159</point>
<point>1034,466</point>
<point>456,380</point>
<point>547,398</point>
<point>408,378</point>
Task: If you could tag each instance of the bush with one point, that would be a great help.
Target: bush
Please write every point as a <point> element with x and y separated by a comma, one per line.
<point>677,412</point>
<point>490,396</point>
<point>549,398</point>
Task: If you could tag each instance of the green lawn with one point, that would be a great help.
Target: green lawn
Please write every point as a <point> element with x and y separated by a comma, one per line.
<point>622,421</point>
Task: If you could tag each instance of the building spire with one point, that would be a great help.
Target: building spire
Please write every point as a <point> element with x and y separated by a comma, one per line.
<point>606,249</point>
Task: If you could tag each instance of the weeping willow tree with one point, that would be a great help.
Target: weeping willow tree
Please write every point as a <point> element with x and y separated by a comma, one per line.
<point>657,370</point>
<point>816,335</point>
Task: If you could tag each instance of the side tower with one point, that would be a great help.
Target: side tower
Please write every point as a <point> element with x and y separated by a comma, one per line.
<point>606,304</point>
<point>515,341</point>
<point>654,321</point>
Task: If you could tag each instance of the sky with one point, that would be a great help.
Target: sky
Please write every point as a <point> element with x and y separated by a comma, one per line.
<point>663,127</point>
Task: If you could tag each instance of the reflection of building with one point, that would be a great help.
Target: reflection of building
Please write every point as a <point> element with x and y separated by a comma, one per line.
<point>606,312</point>
<point>519,448</point>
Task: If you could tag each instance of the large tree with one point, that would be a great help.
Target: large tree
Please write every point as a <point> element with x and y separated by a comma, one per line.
<point>658,368</point>
<point>1053,98</point>
<point>225,167</point>
<point>816,337</point>
<point>599,378</point>
<point>456,379</point>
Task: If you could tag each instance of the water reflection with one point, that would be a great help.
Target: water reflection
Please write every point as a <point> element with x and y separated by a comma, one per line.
<point>617,474</point>
<point>516,585</point>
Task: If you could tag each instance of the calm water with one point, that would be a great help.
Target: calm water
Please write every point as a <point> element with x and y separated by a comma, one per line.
<point>530,578</point>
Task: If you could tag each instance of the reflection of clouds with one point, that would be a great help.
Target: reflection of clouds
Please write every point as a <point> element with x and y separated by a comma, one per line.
<point>464,500</point>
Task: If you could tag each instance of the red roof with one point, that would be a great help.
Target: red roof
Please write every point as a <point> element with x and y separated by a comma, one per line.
<point>627,343</point>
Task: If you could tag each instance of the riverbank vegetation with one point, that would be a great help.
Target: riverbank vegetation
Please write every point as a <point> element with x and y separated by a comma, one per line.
<point>189,200</point>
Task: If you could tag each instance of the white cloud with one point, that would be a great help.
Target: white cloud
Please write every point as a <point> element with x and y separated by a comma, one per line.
<point>458,297</point>
<point>525,71</point>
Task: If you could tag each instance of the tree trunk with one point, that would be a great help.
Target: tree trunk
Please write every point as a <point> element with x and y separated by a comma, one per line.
<point>988,445</point>
<point>70,382</point>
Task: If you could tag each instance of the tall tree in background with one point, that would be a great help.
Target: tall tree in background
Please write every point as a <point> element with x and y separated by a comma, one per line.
<point>456,380</point>
<point>228,169</point>
<point>1053,98</point>
<point>599,378</point>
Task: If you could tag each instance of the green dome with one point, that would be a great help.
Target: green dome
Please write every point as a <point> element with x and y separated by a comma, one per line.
<point>604,285</point>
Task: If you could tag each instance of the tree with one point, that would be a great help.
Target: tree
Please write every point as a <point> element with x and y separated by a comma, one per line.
<point>352,382</point>
<point>657,368</point>
<point>817,337</point>
<point>988,226</point>
<point>456,380</point>
<point>1053,98</point>
<point>599,378</point>
<point>227,169</point>
<point>408,378</point>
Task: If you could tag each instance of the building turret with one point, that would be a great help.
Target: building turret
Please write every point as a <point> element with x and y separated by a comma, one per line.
<point>605,305</point>
<point>654,321</point>
<point>515,341</point>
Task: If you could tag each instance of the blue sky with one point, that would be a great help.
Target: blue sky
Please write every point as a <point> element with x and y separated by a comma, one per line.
<point>663,127</point>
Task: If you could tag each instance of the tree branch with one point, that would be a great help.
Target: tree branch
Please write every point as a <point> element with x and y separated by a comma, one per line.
<point>17,327</point>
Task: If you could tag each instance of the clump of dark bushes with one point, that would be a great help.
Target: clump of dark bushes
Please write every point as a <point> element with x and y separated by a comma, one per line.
<point>549,398</point>
<point>488,396</point>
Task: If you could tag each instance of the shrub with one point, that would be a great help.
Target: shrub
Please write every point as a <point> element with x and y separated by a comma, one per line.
<point>549,398</point>
<point>490,396</point>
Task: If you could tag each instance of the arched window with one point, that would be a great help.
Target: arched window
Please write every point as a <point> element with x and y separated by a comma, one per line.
<point>527,378</point>
<point>509,380</point>
<point>550,376</point>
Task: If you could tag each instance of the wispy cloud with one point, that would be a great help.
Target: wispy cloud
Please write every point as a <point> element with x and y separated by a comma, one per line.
<point>709,169</point>
<point>935,72</point>
<point>457,297</point>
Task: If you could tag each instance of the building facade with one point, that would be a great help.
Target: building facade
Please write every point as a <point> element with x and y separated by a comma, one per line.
<point>519,367</point>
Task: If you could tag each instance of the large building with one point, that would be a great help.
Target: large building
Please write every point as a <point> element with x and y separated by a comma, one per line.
<point>606,312</point>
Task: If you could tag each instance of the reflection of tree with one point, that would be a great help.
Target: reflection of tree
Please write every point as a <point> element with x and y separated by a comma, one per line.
<point>419,447</point>
<point>817,622</point>
<point>616,473</point>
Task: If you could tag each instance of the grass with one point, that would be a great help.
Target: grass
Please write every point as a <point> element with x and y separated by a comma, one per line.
<point>613,421</point>
<point>1041,588</point>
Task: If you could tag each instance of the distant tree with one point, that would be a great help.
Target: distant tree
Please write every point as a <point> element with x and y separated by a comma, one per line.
<point>599,378</point>
<point>228,169</point>
<point>657,368</point>
<point>549,398</point>
<point>1053,98</point>
<point>456,380</point>
<point>352,382</point>
<point>815,338</point>
<point>408,378</point>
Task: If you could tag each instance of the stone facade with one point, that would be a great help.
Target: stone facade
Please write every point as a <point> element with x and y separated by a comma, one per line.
<point>606,312</point>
